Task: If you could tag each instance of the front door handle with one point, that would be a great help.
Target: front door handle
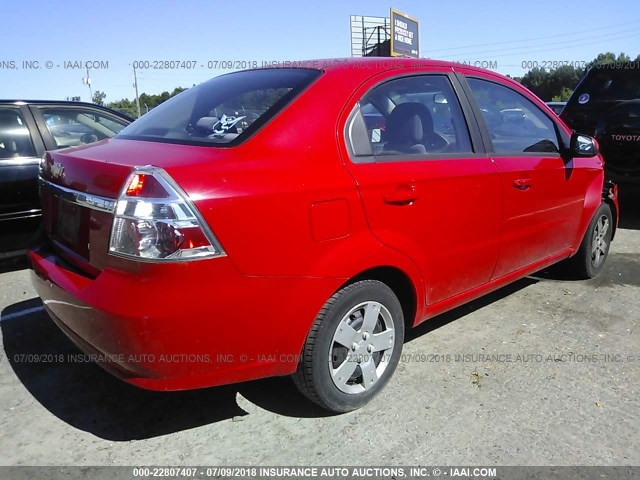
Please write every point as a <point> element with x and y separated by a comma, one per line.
<point>403,195</point>
<point>522,183</point>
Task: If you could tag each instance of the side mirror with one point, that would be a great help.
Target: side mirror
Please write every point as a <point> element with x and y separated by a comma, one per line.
<point>583,145</point>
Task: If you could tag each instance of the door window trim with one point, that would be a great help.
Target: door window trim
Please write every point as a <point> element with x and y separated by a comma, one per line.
<point>475,137</point>
<point>484,129</point>
<point>38,115</point>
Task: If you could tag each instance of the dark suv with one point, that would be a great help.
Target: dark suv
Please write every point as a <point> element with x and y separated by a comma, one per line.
<point>606,105</point>
<point>27,129</point>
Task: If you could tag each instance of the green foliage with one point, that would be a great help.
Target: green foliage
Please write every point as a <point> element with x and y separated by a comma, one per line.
<point>558,84</point>
<point>564,95</point>
<point>152,101</point>
<point>147,102</point>
<point>548,85</point>
<point>609,57</point>
<point>98,97</point>
<point>125,106</point>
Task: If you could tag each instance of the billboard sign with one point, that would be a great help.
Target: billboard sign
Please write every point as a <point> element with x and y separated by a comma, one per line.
<point>404,35</point>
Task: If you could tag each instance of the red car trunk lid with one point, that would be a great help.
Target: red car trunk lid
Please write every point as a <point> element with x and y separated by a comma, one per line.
<point>79,188</point>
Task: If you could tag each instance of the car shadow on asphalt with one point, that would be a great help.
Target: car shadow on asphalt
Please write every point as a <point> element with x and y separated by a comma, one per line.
<point>86,397</point>
<point>620,269</point>
<point>459,312</point>
<point>13,264</point>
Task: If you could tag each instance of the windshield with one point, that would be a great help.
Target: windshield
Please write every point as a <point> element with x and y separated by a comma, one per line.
<point>605,84</point>
<point>222,111</point>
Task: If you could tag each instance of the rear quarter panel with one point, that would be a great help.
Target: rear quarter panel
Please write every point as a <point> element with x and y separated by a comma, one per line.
<point>282,203</point>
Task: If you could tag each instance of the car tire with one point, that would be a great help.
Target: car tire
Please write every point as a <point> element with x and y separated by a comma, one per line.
<point>594,249</point>
<point>352,348</point>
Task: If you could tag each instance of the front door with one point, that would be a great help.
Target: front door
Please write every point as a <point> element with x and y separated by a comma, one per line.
<point>543,195</point>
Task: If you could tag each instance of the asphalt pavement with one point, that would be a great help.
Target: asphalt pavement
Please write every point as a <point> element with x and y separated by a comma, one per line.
<point>542,372</point>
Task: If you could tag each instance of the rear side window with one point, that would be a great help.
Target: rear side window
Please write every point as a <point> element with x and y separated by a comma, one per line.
<point>223,111</point>
<point>70,127</point>
<point>516,124</point>
<point>15,140</point>
<point>412,115</point>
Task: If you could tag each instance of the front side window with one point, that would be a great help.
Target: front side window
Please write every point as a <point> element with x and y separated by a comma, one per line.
<point>70,127</point>
<point>516,124</point>
<point>15,140</point>
<point>223,111</point>
<point>414,115</point>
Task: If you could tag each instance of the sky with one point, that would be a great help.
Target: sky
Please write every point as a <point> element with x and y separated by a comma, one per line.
<point>57,39</point>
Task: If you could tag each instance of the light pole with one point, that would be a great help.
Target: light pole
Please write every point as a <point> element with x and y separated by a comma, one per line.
<point>87,81</point>
<point>135,84</point>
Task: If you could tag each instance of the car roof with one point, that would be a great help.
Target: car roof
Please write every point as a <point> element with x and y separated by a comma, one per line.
<point>64,103</point>
<point>48,102</point>
<point>380,63</point>
<point>363,67</point>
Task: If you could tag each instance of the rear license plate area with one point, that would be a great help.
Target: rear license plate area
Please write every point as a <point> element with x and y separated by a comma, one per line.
<point>71,227</point>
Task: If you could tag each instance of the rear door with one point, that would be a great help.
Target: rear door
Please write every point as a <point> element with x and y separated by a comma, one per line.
<point>543,194</point>
<point>428,188</point>
<point>20,152</point>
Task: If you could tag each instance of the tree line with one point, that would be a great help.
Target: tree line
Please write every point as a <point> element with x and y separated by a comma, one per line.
<point>548,84</point>
<point>558,84</point>
<point>129,107</point>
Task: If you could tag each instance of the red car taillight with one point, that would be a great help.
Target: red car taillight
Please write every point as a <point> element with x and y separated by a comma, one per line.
<point>154,220</point>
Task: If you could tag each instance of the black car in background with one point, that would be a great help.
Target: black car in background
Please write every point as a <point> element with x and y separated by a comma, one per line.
<point>606,105</point>
<point>27,129</point>
<point>557,107</point>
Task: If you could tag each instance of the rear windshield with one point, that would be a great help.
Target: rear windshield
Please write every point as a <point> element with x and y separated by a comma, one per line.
<point>222,111</point>
<point>606,84</point>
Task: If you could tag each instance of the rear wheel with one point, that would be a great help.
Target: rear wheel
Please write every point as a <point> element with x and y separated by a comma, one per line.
<point>594,249</point>
<point>353,347</point>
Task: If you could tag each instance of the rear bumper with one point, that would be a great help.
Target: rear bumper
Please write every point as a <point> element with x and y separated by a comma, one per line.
<point>183,326</point>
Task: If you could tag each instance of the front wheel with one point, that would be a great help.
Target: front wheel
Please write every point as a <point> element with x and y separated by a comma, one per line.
<point>353,347</point>
<point>594,249</point>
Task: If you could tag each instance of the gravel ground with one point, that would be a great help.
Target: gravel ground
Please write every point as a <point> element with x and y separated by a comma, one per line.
<point>543,372</point>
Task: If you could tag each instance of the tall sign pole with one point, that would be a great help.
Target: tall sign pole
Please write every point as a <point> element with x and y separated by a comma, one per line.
<point>135,84</point>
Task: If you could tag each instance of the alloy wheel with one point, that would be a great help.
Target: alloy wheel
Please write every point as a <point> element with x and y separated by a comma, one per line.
<point>600,244</point>
<point>362,347</point>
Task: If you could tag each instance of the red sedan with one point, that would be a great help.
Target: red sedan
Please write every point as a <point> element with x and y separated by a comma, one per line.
<point>295,221</point>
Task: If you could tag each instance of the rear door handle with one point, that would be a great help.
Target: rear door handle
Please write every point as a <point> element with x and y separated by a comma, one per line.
<point>403,195</point>
<point>522,183</point>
